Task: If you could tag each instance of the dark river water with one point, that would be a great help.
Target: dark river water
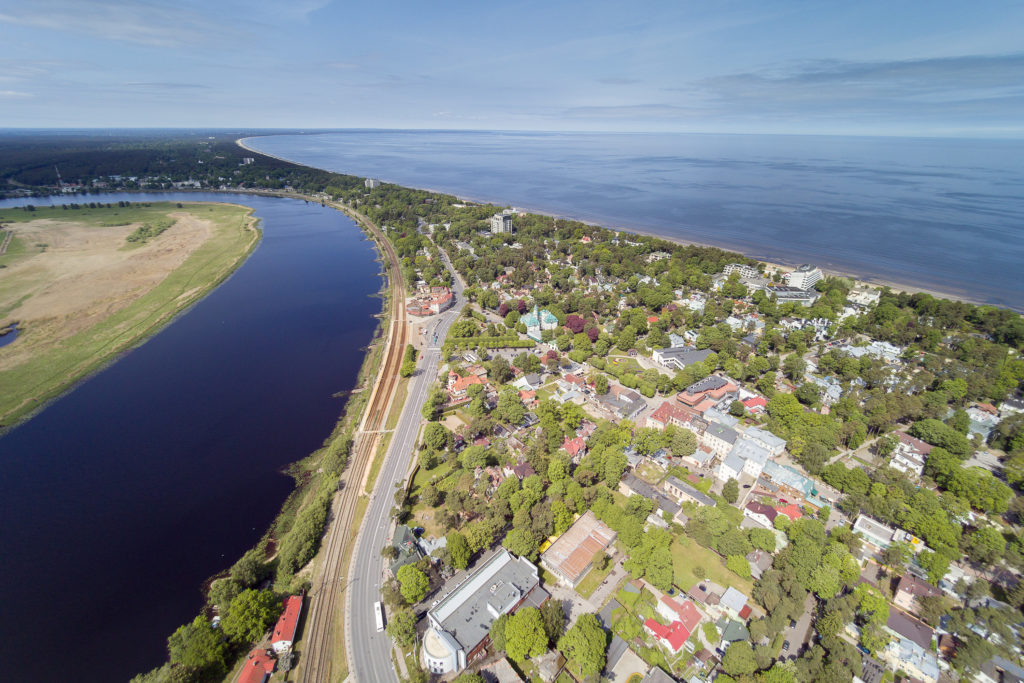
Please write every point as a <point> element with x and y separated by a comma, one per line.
<point>124,495</point>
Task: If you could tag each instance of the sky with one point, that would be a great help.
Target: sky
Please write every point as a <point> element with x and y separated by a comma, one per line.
<point>920,68</point>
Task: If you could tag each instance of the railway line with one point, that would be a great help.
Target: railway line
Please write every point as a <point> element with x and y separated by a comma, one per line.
<point>315,661</point>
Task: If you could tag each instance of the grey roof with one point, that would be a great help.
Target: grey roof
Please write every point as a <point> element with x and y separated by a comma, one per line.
<point>707,384</point>
<point>722,432</point>
<point>616,649</point>
<point>733,599</point>
<point>684,355</point>
<point>692,492</point>
<point>766,437</point>
<point>749,450</point>
<point>656,675</point>
<point>642,488</point>
<point>493,588</point>
<point>909,628</point>
<point>734,462</point>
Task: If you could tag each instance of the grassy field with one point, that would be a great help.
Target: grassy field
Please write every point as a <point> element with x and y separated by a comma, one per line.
<point>45,361</point>
<point>687,554</point>
<point>593,579</point>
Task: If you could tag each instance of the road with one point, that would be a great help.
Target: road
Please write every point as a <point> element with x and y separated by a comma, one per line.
<point>370,651</point>
<point>315,659</point>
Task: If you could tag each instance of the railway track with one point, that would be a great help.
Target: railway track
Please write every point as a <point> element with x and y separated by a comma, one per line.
<point>315,662</point>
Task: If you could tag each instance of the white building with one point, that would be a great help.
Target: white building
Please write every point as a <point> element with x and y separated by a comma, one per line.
<point>371,183</point>
<point>765,439</point>
<point>501,223</point>
<point>804,277</point>
<point>743,270</point>
<point>863,296</point>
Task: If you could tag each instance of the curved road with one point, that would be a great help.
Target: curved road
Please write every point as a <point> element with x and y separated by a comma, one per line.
<point>369,651</point>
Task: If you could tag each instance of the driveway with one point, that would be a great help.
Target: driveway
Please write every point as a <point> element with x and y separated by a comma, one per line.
<point>800,633</point>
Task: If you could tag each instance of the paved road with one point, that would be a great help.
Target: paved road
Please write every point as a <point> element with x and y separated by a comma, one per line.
<point>369,652</point>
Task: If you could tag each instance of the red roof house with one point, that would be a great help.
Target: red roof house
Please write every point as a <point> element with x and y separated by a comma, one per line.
<point>671,637</point>
<point>791,511</point>
<point>684,612</point>
<point>258,667</point>
<point>575,447</point>
<point>284,631</point>
<point>756,404</point>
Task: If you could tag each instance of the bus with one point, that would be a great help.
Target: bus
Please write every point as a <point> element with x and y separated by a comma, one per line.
<point>378,614</point>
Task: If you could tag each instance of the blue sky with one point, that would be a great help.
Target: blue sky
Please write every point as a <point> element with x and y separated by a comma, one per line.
<point>882,68</point>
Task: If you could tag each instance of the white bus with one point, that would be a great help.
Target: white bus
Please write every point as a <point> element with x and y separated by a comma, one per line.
<point>378,614</point>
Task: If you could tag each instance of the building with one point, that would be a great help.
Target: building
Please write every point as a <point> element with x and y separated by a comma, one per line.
<point>458,625</point>
<point>671,412</point>
<point>785,295</point>
<point>766,440</point>
<point>458,386</point>
<point>404,541</point>
<point>707,392</point>
<point>571,556</point>
<point>624,403</point>
<point>501,223</point>
<point>677,358</point>
<point>683,492</point>
<point>719,439</point>
<point>910,454</point>
<point>258,667</point>
<point>760,562</point>
<point>371,183</point>
<point>910,589</point>
<point>804,277</point>
<point>735,603</point>
<point>882,536</point>
<point>537,321</point>
<point>863,296</point>
<point>742,269</point>
<point>287,624</point>
<point>500,671</point>
<point>762,514</point>
<point>430,301</point>
<point>785,482</point>
<point>911,647</point>
<point>683,618</point>
<point>753,457</point>
<point>632,485</point>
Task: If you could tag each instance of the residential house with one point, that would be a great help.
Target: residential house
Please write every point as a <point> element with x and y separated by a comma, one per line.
<point>258,667</point>
<point>789,484</point>
<point>683,618</point>
<point>909,590</point>
<point>910,454</point>
<point>521,470</point>
<point>632,485</point>
<point>571,556</point>
<point>459,624</point>
<point>673,413</point>
<point>576,448</point>
<point>707,593</point>
<point>683,492</point>
<point>458,386</point>
<point>753,457</point>
<point>911,647</point>
<point>863,296</point>
<point>762,514</point>
<point>760,562</point>
<point>624,403</point>
<point>500,671</point>
<point>882,536</point>
<point>735,603</point>
<point>756,405</point>
<point>404,541</point>
<point>284,631</point>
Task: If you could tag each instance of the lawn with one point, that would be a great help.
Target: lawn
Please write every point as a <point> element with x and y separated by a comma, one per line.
<point>593,579</point>
<point>650,472</point>
<point>688,554</point>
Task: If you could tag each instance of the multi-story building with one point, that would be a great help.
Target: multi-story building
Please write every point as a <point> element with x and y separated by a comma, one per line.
<point>458,626</point>
<point>804,277</point>
<point>501,223</point>
<point>743,270</point>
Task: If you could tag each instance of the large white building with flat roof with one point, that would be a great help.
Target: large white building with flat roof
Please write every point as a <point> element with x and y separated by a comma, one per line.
<point>804,277</point>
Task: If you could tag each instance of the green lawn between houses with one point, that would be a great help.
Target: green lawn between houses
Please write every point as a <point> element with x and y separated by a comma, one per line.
<point>688,554</point>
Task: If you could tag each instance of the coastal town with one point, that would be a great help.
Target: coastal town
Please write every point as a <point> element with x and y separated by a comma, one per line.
<point>644,465</point>
<point>641,460</point>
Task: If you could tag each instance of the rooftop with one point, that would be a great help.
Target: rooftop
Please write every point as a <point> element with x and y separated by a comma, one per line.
<point>496,585</point>
<point>289,620</point>
<point>910,628</point>
<point>572,552</point>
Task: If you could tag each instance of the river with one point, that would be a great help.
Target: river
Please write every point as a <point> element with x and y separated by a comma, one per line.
<point>124,495</point>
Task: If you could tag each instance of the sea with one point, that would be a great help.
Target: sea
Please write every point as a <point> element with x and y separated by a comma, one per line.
<point>936,214</point>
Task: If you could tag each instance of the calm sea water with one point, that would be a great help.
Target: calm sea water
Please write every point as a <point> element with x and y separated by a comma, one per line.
<point>940,214</point>
<point>123,496</point>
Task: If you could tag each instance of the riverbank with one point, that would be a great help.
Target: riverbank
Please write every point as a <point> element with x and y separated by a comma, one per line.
<point>84,293</point>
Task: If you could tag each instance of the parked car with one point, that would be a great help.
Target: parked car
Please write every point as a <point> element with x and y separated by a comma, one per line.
<point>785,646</point>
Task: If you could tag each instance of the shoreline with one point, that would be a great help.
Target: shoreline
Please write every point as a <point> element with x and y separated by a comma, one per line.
<point>25,413</point>
<point>859,279</point>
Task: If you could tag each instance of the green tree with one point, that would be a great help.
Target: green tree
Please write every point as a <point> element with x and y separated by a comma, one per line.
<point>584,645</point>
<point>250,615</point>
<point>249,570</point>
<point>683,443</point>
<point>763,539</point>
<point>985,546</point>
<point>554,619</point>
<point>414,583</point>
<point>525,636</point>
<point>601,384</point>
<point>731,491</point>
<point>497,632</point>
<point>458,550</point>
<point>436,436</point>
<point>469,677</point>
<point>521,542</point>
<point>737,409</point>
<point>739,659</point>
<point>402,627</point>
<point>739,565</point>
<point>199,646</point>
<point>222,592</point>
